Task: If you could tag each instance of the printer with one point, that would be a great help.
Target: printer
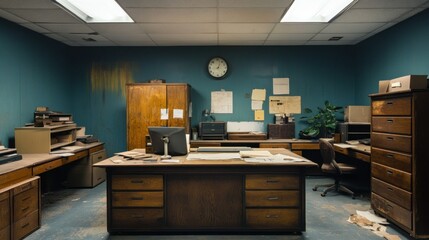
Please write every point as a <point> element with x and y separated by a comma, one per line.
<point>213,130</point>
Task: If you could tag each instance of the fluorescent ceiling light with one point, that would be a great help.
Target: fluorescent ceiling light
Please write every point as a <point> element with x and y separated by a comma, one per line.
<point>96,11</point>
<point>315,10</point>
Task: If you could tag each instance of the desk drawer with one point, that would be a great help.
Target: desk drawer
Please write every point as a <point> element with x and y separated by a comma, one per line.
<point>25,203</point>
<point>274,145</point>
<point>4,210</point>
<point>391,159</point>
<point>392,193</point>
<point>395,106</point>
<point>394,211</point>
<point>137,218</point>
<point>393,142</point>
<point>393,176</point>
<point>37,170</point>
<point>5,233</point>
<point>26,225</point>
<point>398,125</point>
<point>75,157</point>
<point>138,199</point>
<point>137,182</point>
<point>272,181</point>
<point>272,199</point>
<point>274,218</point>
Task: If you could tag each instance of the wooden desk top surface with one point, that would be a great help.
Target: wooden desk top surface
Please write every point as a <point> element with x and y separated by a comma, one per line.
<point>118,161</point>
<point>33,159</point>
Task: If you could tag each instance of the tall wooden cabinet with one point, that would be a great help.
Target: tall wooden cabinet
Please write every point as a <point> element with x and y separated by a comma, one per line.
<point>144,104</point>
<point>400,159</point>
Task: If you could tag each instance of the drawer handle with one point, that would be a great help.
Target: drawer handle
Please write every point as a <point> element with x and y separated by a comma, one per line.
<point>25,199</point>
<point>389,172</point>
<point>136,181</point>
<point>137,216</point>
<point>272,216</point>
<point>137,198</point>
<point>389,121</point>
<point>389,103</point>
<point>272,198</point>
<point>24,209</point>
<point>390,138</point>
<point>389,155</point>
<point>100,157</point>
<point>25,225</point>
<point>272,181</point>
<point>390,189</point>
<point>98,179</point>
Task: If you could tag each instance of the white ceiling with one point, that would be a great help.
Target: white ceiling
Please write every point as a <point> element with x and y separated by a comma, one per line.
<point>209,23</point>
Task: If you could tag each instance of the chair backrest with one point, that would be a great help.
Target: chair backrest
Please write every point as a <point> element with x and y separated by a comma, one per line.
<point>328,155</point>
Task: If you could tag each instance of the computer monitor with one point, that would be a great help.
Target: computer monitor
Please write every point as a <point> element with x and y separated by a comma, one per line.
<point>169,141</point>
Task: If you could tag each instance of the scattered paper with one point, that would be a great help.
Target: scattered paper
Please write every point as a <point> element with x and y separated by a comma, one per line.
<point>221,102</point>
<point>278,158</point>
<point>164,113</point>
<point>280,86</point>
<point>343,145</point>
<point>257,104</point>
<point>375,226</point>
<point>72,148</point>
<point>372,217</point>
<point>170,160</point>
<point>259,115</point>
<point>133,154</point>
<point>255,153</point>
<point>213,156</point>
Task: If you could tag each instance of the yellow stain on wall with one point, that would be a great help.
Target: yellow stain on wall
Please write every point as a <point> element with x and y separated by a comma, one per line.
<point>111,77</point>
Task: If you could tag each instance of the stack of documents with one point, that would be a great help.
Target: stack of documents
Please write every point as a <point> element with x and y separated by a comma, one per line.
<point>213,156</point>
<point>249,154</point>
<point>133,155</point>
<point>278,158</point>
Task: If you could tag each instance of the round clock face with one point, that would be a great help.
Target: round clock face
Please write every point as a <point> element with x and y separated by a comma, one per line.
<point>217,67</point>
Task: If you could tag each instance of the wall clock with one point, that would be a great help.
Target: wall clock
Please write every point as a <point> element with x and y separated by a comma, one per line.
<point>217,67</point>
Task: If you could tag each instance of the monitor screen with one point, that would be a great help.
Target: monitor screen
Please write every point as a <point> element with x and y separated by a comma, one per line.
<point>176,140</point>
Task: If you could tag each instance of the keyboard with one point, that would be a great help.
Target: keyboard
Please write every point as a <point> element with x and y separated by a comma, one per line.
<point>223,149</point>
<point>10,158</point>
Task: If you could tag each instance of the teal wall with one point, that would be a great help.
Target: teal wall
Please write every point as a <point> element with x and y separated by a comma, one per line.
<point>34,71</point>
<point>317,73</point>
<point>400,50</point>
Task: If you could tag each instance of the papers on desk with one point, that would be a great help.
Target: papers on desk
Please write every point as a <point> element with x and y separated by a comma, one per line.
<point>213,156</point>
<point>133,155</point>
<point>278,158</point>
<point>343,145</point>
<point>250,154</point>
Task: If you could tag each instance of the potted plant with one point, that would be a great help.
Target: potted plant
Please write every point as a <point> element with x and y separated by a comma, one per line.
<point>322,124</point>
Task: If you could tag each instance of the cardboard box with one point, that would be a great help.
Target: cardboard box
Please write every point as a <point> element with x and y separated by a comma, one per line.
<point>383,86</point>
<point>357,114</point>
<point>408,82</point>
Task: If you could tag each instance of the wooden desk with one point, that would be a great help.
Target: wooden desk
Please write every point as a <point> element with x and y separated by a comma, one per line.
<point>205,196</point>
<point>358,151</point>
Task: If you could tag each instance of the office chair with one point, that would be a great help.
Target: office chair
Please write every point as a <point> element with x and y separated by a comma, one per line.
<point>331,167</point>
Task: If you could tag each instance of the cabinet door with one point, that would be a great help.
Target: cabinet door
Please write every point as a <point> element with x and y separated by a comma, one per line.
<point>144,104</point>
<point>178,98</point>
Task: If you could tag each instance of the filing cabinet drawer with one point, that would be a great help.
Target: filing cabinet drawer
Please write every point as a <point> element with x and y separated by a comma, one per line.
<point>137,182</point>
<point>394,211</point>
<point>37,170</point>
<point>391,159</point>
<point>25,203</point>
<point>137,217</point>
<point>4,210</point>
<point>273,218</point>
<point>26,225</point>
<point>393,142</point>
<point>272,181</point>
<point>393,176</point>
<point>395,106</point>
<point>392,193</point>
<point>398,125</point>
<point>5,233</point>
<point>272,199</point>
<point>138,199</point>
<point>96,149</point>
<point>26,185</point>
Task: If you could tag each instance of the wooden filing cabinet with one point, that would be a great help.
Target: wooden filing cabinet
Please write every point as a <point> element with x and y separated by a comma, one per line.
<point>399,159</point>
<point>20,209</point>
<point>273,201</point>
<point>137,201</point>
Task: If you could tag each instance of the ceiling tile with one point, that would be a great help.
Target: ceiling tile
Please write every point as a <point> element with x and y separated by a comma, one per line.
<point>11,17</point>
<point>35,27</point>
<point>56,37</point>
<point>45,15</point>
<point>253,15</point>
<point>255,3</point>
<point>80,37</point>
<point>389,3</point>
<point>245,27</point>
<point>345,37</point>
<point>117,28</point>
<point>182,37</point>
<point>351,27</point>
<point>179,27</point>
<point>292,37</point>
<point>167,3</point>
<point>243,37</point>
<point>98,44</point>
<point>186,42</point>
<point>329,43</point>
<point>67,28</point>
<point>299,27</point>
<point>172,15</point>
<point>371,15</point>
<point>409,14</point>
<point>241,43</point>
<point>134,43</point>
<point>284,42</point>
<point>27,4</point>
<point>127,37</point>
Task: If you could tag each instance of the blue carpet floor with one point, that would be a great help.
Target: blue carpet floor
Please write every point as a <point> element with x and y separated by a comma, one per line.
<point>81,214</point>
